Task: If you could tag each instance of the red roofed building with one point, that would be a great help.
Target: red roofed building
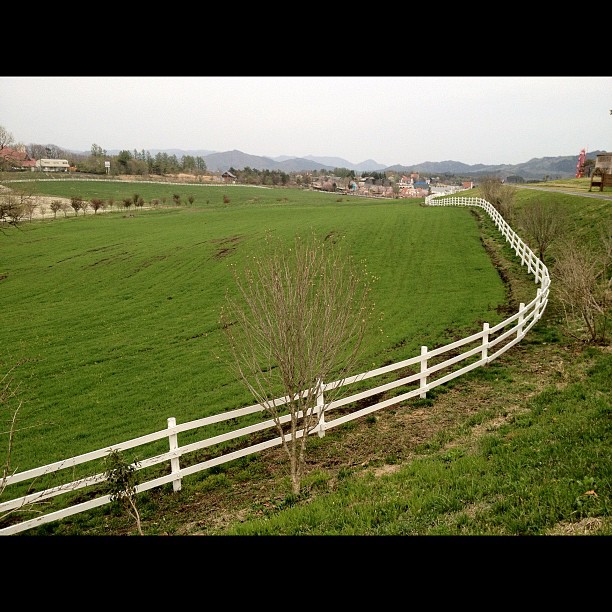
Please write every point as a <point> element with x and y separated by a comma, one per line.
<point>15,159</point>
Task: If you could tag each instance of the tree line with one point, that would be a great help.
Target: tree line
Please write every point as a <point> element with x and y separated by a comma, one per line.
<point>143,163</point>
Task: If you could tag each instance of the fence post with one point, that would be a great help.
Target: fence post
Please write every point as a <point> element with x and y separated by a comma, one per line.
<point>423,381</point>
<point>485,342</point>
<point>523,245</point>
<point>174,462</point>
<point>519,327</point>
<point>538,304</point>
<point>320,410</point>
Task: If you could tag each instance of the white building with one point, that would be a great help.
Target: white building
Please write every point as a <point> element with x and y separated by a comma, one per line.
<point>52,165</point>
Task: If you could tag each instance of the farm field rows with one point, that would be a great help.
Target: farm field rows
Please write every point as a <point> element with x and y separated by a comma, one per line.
<point>116,316</point>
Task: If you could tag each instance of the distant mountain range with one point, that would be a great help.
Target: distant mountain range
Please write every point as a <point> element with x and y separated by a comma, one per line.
<point>220,162</point>
<point>534,169</point>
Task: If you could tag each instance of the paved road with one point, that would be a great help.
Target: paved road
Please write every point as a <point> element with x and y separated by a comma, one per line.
<point>600,195</point>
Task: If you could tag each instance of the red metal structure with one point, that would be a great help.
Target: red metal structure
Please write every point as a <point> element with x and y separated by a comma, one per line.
<point>580,164</point>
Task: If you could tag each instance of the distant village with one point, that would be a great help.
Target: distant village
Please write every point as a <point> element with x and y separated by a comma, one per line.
<point>404,186</point>
<point>411,186</point>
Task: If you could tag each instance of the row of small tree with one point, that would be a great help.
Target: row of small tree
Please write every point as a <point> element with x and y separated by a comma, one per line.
<point>21,203</point>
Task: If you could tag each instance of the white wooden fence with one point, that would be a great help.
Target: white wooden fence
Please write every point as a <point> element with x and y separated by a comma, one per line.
<point>429,369</point>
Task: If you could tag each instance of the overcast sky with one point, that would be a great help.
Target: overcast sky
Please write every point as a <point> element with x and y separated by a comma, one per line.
<point>391,120</point>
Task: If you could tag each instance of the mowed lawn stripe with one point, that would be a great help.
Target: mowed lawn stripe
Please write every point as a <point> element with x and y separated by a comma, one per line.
<point>118,314</point>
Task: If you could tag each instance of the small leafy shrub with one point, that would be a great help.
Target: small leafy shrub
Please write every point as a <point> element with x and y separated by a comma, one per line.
<point>121,484</point>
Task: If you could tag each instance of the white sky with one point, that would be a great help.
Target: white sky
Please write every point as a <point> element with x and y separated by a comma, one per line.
<point>389,119</point>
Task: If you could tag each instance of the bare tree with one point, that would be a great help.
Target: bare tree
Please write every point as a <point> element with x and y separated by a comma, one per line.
<point>10,405</point>
<point>543,221</point>
<point>23,202</point>
<point>499,195</point>
<point>55,206</point>
<point>6,138</point>
<point>6,204</point>
<point>76,202</point>
<point>298,320</point>
<point>97,204</point>
<point>37,151</point>
<point>583,287</point>
<point>11,208</point>
<point>29,206</point>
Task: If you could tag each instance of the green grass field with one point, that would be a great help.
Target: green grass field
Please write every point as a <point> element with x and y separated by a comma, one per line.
<point>118,316</point>
<point>117,313</point>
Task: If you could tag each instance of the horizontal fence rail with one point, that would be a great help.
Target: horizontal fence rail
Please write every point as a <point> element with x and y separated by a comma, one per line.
<point>417,376</point>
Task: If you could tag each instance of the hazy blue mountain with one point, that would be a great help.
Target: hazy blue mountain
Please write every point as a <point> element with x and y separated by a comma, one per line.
<point>338,162</point>
<point>332,162</point>
<point>219,162</point>
<point>534,169</point>
<point>368,164</point>
<point>299,164</point>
